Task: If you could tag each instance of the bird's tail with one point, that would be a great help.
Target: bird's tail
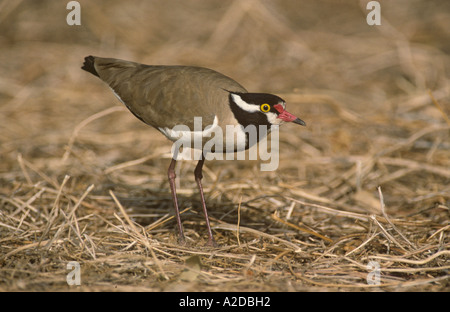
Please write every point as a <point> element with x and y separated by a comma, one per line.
<point>88,65</point>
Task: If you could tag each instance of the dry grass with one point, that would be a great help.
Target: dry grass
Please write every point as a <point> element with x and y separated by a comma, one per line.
<point>367,180</point>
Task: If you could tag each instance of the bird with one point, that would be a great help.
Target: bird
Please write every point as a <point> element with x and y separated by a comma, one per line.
<point>164,96</point>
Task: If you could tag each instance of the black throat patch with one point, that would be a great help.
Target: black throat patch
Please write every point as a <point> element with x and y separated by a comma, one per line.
<point>250,118</point>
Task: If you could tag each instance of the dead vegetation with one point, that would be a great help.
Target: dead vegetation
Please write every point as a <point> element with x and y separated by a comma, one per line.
<point>365,188</point>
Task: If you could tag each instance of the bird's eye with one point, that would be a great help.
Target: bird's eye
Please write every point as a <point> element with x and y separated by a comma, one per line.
<point>265,108</point>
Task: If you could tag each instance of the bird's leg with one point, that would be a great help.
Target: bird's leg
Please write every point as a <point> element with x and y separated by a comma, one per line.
<point>198,178</point>
<point>172,176</point>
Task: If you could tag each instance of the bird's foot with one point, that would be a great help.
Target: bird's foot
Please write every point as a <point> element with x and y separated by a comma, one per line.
<point>211,243</point>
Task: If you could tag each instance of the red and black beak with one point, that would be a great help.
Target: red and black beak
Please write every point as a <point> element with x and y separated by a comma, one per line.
<point>288,117</point>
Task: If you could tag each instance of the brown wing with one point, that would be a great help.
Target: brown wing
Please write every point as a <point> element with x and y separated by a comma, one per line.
<point>166,96</point>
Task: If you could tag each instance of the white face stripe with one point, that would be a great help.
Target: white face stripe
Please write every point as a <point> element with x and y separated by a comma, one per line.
<point>244,105</point>
<point>271,117</point>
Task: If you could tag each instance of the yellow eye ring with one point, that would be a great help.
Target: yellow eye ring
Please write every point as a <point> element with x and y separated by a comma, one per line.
<point>265,108</point>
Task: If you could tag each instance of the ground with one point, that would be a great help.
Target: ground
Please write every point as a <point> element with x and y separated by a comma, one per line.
<point>361,196</point>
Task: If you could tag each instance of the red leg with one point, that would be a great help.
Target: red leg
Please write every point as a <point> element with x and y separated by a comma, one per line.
<point>198,178</point>
<point>172,176</point>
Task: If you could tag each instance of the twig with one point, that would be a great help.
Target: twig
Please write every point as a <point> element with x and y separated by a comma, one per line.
<point>363,244</point>
<point>232,227</point>
<point>142,238</point>
<point>24,170</point>
<point>439,107</point>
<point>163,220</point>
<point>445,228</point>
<point>88,190</point>
<point>335,212</point>
<point>411,139</point>
<point>238,222</point>
<point>85,122</point>
<point>13,252</point>
<point>414,165</point>
<point>414,262</point>
<point>383,211</point>
<point>386,234</point>
<point>131,163</point>
<point>299,228</point>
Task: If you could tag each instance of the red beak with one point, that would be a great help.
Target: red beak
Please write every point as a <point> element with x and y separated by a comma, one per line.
<point>288,117</point>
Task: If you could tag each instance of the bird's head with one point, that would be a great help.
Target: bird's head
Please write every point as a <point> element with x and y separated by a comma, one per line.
<point>261,109</point>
